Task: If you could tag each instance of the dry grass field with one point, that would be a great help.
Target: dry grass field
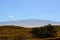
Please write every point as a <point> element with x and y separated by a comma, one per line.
<point>21,33</point>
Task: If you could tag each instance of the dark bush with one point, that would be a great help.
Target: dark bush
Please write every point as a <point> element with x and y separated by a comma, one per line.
<point>44,32</point>
<point>51,30</point>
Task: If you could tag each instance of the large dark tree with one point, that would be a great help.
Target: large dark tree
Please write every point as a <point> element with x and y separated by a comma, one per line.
<point>44,32</point>
<point>51,30</point>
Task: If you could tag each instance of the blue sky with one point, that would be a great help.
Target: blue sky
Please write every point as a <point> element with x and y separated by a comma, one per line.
<point>11,10</point>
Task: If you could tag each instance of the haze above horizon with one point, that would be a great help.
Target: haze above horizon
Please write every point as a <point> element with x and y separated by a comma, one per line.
<point>11,10</point>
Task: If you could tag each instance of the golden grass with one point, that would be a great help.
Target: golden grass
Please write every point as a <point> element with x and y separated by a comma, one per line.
<point>15,32</point>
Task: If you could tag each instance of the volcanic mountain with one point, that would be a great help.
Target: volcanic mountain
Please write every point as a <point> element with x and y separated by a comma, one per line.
<point>30,23</point>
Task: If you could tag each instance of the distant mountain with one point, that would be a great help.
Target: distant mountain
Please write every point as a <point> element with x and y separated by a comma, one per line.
<point>30,23</point>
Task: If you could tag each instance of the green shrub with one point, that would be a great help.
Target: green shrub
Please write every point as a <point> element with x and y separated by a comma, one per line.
<point>44,32</point>
<point>51,30</point>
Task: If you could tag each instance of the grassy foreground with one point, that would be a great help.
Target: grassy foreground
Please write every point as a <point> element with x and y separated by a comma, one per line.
<point>21,33</point>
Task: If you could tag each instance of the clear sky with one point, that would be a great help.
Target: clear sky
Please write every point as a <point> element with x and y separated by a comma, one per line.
<point>11,10</point>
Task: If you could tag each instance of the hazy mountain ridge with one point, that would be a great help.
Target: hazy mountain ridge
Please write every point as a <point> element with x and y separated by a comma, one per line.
<point>30,23</point>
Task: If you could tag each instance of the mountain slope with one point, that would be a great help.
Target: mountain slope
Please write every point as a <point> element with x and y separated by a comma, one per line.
<point>21,33</point>
<point>30,23</point>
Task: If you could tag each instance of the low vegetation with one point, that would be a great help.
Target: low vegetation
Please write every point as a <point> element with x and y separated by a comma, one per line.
<point>44,32</point>
<point>47,32</point>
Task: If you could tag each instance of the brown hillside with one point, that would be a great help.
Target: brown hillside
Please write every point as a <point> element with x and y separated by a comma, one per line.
<point>21,33</point>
